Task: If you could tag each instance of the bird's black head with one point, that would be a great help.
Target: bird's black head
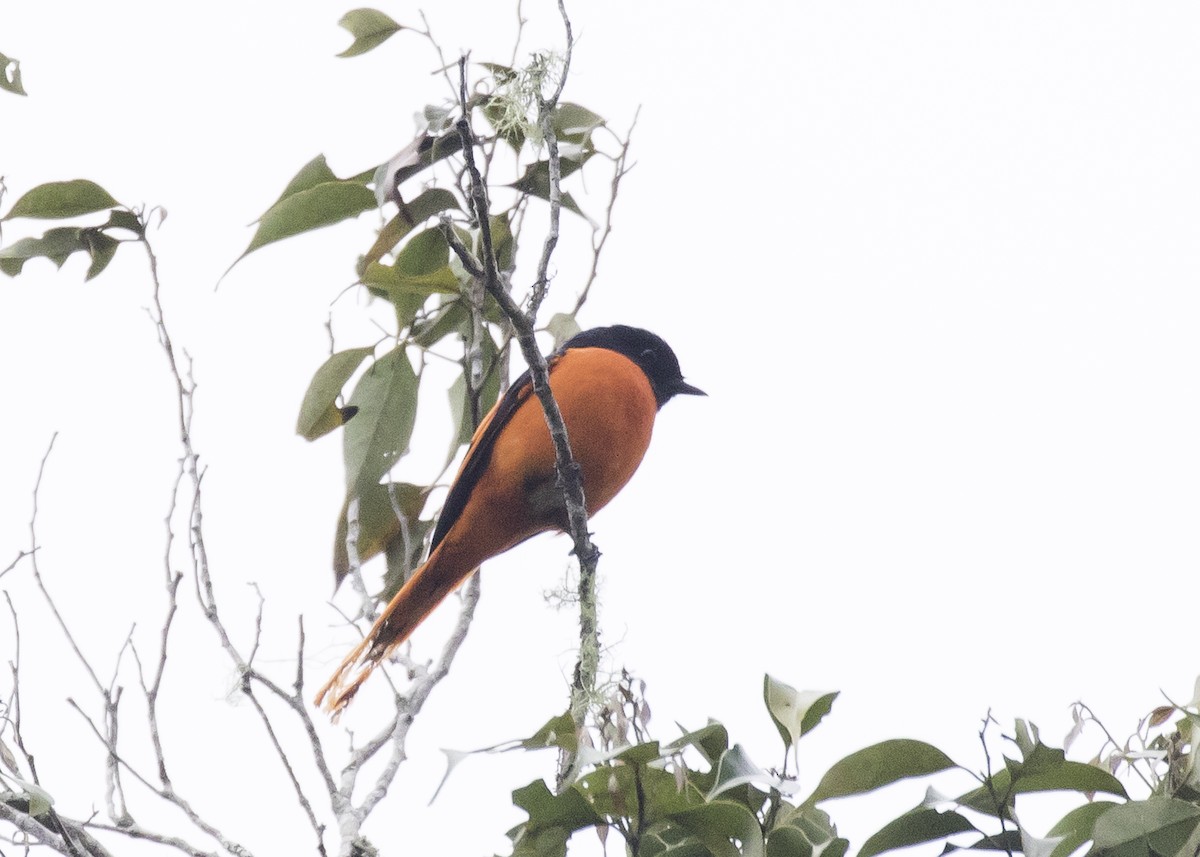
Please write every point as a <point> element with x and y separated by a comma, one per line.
<point>648,351</point>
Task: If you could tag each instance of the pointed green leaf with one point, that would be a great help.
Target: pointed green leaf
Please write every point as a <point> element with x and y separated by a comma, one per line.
<point>320,399</point>
<point>711,741</point>
<point>56,200</point>
<point>556,732</point>
<point>735,768</point>
<point>720,824</point>
<point>425,206</point>
<point>914,827</point>
<point>569,810</point>
<point>386,398</point>
<point>313,173</point>
<point>460,405</point>
<point>370,28</point>
<point>562,326</point>
<point>1158,825</point>
<point>1067,776</point>
<point>795,713</point>
<point>1075,828</point>
<point>322,205</point>
<point>119,218</point>
<point>879,765</point>
<point>572,119</point>
<point>10,75</point>
<point>379,508</point>
<point>804,831</point>
<point>56,244</point>
<point>101,248</point>
<point>536,181</point>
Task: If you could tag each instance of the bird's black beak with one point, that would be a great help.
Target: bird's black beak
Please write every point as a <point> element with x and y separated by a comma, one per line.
<point>683,388</point>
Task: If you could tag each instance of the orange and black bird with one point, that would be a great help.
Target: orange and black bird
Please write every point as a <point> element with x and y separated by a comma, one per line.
<point>609,383</point>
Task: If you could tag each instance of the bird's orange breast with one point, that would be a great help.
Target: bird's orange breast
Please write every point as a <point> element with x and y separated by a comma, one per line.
<point>608,407</point>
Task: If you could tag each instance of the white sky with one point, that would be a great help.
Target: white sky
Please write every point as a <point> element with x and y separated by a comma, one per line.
<point>934,262</point>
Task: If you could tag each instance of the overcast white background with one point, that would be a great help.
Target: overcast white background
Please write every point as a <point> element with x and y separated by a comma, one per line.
<point>934,262</point>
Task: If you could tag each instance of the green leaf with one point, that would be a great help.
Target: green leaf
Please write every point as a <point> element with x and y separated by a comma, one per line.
<point>1067,776</point>
<point>56,244</point>
<point>1145,828</point>
<point>503,244</point>
<point>879,765</point>
<point>425,206</point>
<point>119,218</point>
<point>313,173</point>
<point>460,405</point>
<point>312,208</point>
<point>10,75</point>
<point>711,740</point>
<point>421,269</point>
<point>431,150</point>
<point>1076,826</point>
<point>370,28</point>
<point>735,768</point>
<point>720,824</point>
<point>101,248</point>
<point>562,326</point>
<point>804,831</point>
<point>795,713</point>
<point>319,406</point>
<point>386,398</point>
<point>378,524</point>
<point>536,181</point>
<point>556,732</point>
<point>571,120</point>
<point>57,200</point>
<point>922,824</point>
<point>569,810</point>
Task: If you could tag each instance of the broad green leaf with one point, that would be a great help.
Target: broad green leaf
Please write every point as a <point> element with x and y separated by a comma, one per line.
<point>460,410</point>
<point>1067,776</point>
<point>452,317</point>
<point>10,75</point>
<point>386,398</point>
<point>503,245</point>
<point>1076,826</point>
<point>569,810</point>
<point>422,208</point>
<point>536,182</point>
<point>562,327</point>
<point>1145,828</point>
<point>795,713</point>
<point>319,403</point>
<point>804,831</point>
<point>916,826</point>
<point>572,119</point>
<point>56,200</point>
<point>321,205</point>
<point>404,554</point>
<point>392,284</point>
<point>313,173</point>
<point>119,218</point>
<point>711,740</point>
<point>377,521</point>
<point>57,245</point>
<point>431,150</point>
<point>879,765</point>
<point>735,768</point>
<point>370,28</point>
<point>556,732</point>
<point>101,248</point>
<point>720,824</point>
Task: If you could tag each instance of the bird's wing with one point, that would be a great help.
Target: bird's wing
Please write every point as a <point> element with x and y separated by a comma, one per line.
<point>479,454</point>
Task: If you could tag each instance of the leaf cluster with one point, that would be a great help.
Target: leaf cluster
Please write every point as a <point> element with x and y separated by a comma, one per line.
<point>702,795</point>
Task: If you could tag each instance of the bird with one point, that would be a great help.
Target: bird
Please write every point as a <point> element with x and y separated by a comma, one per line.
<point>610,383</point>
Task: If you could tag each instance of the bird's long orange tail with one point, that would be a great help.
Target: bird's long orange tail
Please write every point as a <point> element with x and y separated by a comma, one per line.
<point>408,608</point>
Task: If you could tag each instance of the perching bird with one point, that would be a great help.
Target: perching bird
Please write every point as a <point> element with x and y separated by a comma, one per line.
<point>609,383</point>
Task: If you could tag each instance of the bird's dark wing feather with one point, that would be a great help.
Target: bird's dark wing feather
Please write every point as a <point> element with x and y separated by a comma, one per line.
<point>479,455</point>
